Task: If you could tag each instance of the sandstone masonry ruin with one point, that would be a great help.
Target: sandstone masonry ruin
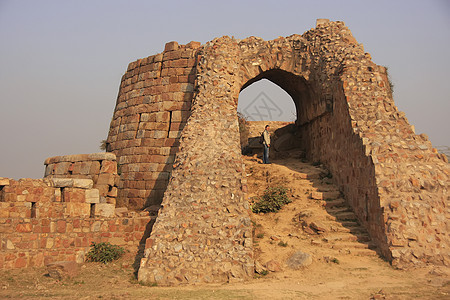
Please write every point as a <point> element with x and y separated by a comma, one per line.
<point>175,135</point>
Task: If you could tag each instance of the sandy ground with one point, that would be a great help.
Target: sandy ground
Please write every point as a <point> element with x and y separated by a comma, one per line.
<point>343,264</point>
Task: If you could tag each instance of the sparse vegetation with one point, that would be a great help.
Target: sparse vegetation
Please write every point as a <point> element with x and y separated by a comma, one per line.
<point>103,145</point>
<point>273,199</point>
<point>260,235</point>
<point>104,252</point>
<point>282,244</point>
<point>391,85</point>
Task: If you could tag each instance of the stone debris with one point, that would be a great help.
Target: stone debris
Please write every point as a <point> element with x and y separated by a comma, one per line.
<point>299,260</point>
<point>273,266</point>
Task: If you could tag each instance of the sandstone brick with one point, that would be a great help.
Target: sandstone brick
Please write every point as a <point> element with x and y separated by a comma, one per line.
<point>92,196</point>
<point>83,183</point>
<point>105,210</point>
<point>109,167</point>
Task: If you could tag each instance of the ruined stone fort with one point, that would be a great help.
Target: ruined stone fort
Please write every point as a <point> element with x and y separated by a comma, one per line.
<point>171,184</point>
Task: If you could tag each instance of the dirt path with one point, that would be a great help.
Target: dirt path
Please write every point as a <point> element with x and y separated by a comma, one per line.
<point>342,266</point>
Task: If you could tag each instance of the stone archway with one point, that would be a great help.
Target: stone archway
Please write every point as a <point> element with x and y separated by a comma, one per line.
<point>345,112</point>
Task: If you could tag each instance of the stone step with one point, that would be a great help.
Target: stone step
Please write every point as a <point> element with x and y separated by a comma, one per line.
<point>351,245</point>
<point>364,252</point>
<point>335,237</point>
<point>345,216</point>
<point>335,203</point>
<point>350,224</point>
<point>340,209</point>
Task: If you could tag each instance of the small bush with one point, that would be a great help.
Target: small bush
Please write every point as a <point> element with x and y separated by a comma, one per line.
<point>260,235</point>
<point>282,244</point>
<point>104,252</point>
<point>272,201</point>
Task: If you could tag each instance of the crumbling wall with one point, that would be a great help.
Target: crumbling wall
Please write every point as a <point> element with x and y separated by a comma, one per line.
<point>152,107</point>
<point>394,180</point>
<point>100,168</point>
<point>57,218</point>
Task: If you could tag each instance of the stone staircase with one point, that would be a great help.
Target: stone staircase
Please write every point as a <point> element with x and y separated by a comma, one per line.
<point>318,219</point>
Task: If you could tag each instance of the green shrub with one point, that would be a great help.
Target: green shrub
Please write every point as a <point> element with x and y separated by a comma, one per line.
<point>104,252</point>
<point>282,244</point>
<point>272,201</point>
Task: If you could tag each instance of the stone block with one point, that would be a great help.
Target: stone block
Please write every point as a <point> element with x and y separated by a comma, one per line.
<point>171,46</point>
<point>92,196</point>
<point>106,210</point>
<point>95,168</point>
<point>61,182</point>
<point>317,195</point>
<point>4,181</point>
<point>62,168</point>
<point>105,179</point>
<point>109,166</point>
<point>74,209</point>
<point>83,183</point>
<point>102,156</point>
<point>73,195</point>
<point>121,211</point>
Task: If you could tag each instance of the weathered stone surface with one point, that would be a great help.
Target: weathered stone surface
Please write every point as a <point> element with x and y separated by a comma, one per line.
<point>4,181</point>
<point>105,210</point>
<point>273,266</point>
<point>299,260</point>
<point>83,183</point>
<point>92,196</point>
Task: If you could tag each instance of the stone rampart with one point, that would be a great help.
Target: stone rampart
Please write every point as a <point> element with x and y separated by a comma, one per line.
<point>152,108</point>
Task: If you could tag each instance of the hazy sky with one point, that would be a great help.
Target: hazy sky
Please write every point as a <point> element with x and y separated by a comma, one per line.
<point>61,61</point>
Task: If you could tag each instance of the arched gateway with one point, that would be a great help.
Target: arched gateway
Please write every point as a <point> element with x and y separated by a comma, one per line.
<point>183,102</point>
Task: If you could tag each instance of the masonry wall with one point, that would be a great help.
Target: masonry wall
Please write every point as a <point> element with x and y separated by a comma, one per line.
<point>393,179</point>
<point>152,108</point>
<point>39,224</point>
<point>100,168</point>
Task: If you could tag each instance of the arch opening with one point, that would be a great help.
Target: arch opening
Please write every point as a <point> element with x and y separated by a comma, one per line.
<point>297,98</point>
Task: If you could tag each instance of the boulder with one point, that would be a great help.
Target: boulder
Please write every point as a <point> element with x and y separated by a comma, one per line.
<point>299,260</point>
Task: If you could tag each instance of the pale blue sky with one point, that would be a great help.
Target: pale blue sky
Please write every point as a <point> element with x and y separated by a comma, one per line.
<point>61,61</point>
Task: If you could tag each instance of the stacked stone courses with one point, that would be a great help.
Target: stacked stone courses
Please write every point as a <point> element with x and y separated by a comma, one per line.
<point>151,110</point>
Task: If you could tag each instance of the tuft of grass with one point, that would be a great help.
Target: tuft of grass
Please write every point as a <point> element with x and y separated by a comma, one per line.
<point>282,244</point>
<point>273,199</point>
<point>104,252</point>
<point>335,260</point>
<point>260,235</point>
<point>151,284</point>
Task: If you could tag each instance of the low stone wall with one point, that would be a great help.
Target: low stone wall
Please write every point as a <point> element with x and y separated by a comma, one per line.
<point>57,218</point>
<point>33,242</point>
<point>101,168</point>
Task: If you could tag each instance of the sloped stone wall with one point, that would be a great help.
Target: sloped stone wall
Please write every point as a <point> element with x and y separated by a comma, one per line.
<point>203,231</point>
